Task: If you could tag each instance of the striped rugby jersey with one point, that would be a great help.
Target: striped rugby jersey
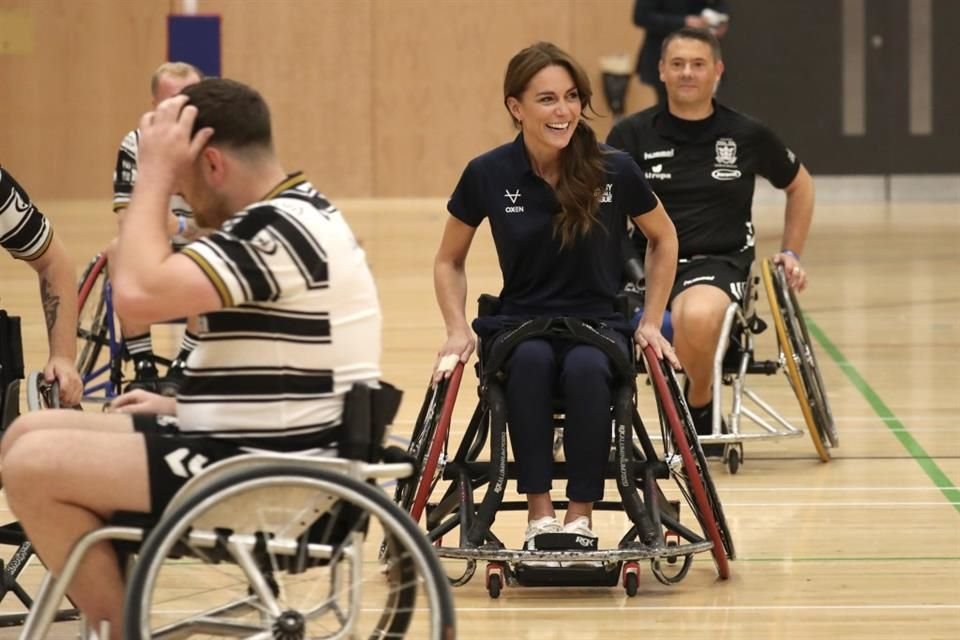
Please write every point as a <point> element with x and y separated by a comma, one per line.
<point>125,176</point>
<point>300,325</point>
<point>24,231</point>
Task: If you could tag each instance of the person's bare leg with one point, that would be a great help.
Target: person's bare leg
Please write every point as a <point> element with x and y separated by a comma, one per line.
<point>63,419</point>
<point>697,317</point>
<point>63,483</point>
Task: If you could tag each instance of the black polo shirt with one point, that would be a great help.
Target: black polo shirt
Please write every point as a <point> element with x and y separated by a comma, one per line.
<point>539,277</point>
<point>704,172</point>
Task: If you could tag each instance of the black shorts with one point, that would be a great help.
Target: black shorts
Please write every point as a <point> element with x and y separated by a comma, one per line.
<point>726,272</point>
<point>173,457</point>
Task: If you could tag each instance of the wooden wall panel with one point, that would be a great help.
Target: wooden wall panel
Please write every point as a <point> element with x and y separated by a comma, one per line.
<point>311,61</point>
<point>67,103</point>
<point>438,83</point>
<point>370,97</point>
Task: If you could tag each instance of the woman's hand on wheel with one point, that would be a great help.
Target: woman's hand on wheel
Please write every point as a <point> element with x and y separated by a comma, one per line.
<point>648,334</point>
<point>458,348</point>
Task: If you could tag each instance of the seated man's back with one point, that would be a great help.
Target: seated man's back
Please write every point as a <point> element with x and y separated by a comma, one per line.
<point>300,323</point>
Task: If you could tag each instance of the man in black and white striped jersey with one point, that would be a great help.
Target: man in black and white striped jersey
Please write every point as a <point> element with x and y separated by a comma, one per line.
<point>290,320</point>
<point>27,235</point>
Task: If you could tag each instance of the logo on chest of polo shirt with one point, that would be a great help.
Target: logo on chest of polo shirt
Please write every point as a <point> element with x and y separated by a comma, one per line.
<point>606,196</point>
<point>726,161</point>
<point>656,173</point>
<point>663,153</point>
<point>513,197</point>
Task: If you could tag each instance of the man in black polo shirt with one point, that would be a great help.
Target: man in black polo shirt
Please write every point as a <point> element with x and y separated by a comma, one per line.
<point>701,159</point>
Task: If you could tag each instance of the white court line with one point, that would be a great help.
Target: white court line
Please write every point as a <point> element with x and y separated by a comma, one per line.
<point>834,503</point>
<point>759,607</point>
<point>837,419</point>
<point>932,489</point>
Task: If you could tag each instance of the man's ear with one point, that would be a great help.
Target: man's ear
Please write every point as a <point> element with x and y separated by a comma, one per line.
<point>213,164</point>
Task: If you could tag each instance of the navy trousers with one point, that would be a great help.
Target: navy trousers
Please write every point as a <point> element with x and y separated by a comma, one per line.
<point>538,372</point>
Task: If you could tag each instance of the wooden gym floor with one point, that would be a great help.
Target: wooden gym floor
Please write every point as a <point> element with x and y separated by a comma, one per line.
<point>865,546</point>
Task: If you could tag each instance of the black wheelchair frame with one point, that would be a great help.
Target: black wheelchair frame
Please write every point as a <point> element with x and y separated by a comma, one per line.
<point>655,532</point>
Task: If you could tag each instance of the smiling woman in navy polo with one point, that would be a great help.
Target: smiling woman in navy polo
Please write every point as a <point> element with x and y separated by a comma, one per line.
<point>557,202</point>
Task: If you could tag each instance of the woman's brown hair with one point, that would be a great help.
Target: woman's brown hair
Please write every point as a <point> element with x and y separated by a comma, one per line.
<point>581,162</point>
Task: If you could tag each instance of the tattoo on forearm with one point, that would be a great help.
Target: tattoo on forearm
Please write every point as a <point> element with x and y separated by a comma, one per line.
<point>51,303</point>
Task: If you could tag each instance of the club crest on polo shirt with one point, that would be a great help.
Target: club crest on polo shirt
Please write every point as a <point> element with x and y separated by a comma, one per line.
<point>606,196</point>
<point>726,160</point>
<point>513,207</point>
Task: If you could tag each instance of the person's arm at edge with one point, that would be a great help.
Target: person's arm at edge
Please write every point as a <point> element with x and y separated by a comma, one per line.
<point>798,216</point>
<point>58,294</point>
<point>450,286</point>
<point>660,267</point>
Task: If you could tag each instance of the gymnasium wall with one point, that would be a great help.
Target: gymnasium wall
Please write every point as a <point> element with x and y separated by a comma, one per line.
<point>384,98</point>
<point>390,98</point>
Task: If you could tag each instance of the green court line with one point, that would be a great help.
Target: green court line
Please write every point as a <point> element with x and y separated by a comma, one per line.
<point>897,428</point>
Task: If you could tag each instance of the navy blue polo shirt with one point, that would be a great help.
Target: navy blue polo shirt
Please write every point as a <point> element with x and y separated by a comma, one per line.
<point>704,173</point>
<point>539,277</point>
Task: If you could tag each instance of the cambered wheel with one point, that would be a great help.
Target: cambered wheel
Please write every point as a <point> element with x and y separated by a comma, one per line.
<point>264,547</point>
<point>428,443</point>
<point>93,332</point>
<point>693,476</point>
<point>42,394</point>
<point>798,356</point>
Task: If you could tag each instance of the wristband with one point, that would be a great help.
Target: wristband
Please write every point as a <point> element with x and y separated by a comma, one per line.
<point>182,226</point>
<point>792,254</point>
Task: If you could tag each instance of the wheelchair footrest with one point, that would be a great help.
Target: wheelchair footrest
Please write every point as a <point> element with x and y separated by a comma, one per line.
<point>582,574</point>
<point>563,542</point>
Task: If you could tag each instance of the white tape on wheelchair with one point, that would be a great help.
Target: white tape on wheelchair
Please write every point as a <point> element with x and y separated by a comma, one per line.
<point>448,362</point>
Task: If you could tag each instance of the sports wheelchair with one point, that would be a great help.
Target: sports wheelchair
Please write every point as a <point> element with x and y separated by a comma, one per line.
<point>654,531</point>
<point>278,546</point>
<point>735,359</point>
<point>100,350</point>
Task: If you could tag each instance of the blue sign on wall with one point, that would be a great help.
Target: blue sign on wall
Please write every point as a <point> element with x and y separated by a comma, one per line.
<point>195,39</point>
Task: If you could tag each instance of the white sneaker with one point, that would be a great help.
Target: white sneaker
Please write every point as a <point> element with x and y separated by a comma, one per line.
<point>580,527</point>
<point>546,524</point>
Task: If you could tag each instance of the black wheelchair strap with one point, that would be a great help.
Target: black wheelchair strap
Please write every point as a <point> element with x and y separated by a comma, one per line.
<point>573,329</point>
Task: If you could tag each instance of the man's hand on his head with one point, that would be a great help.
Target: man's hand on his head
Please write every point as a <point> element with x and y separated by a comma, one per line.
<point>166,147</point>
